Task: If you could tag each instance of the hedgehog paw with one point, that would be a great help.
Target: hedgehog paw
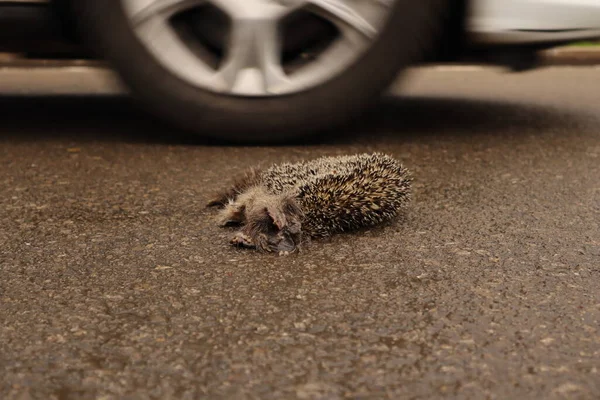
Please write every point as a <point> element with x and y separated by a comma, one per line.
<point>242,240</point>
<point>286,253</point>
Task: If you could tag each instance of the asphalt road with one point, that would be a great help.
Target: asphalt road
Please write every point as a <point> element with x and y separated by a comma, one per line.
<point>116,283</point>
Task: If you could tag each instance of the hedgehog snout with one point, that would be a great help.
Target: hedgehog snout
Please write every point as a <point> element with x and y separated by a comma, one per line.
<point>284,241</point>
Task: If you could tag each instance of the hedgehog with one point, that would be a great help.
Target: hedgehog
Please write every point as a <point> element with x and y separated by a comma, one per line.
<point>280,207</point>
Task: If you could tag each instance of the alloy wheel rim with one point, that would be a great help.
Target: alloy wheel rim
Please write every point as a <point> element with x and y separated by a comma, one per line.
<point>252,62</point>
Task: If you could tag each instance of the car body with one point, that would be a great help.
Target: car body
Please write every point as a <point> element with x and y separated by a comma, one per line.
<point>488,22</point>
<point>248,93</point>
<point>533,22</point>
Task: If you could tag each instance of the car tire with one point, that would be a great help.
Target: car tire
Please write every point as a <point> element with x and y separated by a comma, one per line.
<point>410,31</point>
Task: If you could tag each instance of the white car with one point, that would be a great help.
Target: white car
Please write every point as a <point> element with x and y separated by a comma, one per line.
<point>270,70</point>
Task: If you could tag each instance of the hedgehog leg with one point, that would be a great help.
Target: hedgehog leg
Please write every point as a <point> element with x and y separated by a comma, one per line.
<point>219,200</point>
<point>235,211</point>
<point>233,214</point>
<point>240,184</point>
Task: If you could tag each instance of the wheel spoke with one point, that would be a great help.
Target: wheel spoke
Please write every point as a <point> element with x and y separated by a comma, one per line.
<point>154,29</point>
<point>253,56</point>
<point>230,7</point>
<point>143,10</point>
<point>252,61</point>
<point>268,45</point>
<point>345,16</point>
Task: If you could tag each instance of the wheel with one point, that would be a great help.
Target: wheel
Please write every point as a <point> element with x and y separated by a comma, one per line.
<point>258,70</point>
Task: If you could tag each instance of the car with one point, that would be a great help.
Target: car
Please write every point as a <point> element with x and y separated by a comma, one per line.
<point>272,70</point>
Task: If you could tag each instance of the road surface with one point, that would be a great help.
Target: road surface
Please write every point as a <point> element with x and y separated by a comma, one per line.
<point>116,283</point>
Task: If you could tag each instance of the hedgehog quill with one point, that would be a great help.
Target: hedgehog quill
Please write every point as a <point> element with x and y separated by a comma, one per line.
<point>278,208</point>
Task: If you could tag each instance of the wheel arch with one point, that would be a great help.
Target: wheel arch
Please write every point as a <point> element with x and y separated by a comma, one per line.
<point>453,35</point>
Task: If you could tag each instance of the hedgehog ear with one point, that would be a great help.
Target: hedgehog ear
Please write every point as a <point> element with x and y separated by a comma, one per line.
<point>277,216</point>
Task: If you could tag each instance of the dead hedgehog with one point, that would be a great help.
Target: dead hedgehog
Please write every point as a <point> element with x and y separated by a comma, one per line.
<point>279,206</point>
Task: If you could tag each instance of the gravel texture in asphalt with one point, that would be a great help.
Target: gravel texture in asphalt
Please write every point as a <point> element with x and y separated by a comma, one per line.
<point>116,282</point>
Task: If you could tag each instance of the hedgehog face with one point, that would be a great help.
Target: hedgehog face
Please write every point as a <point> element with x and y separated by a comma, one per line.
<point>275,228</point>
<point>272,224</point>
<point>284,240</point>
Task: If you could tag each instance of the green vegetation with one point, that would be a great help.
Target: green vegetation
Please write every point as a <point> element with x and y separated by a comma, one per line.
<point>587,44</point>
